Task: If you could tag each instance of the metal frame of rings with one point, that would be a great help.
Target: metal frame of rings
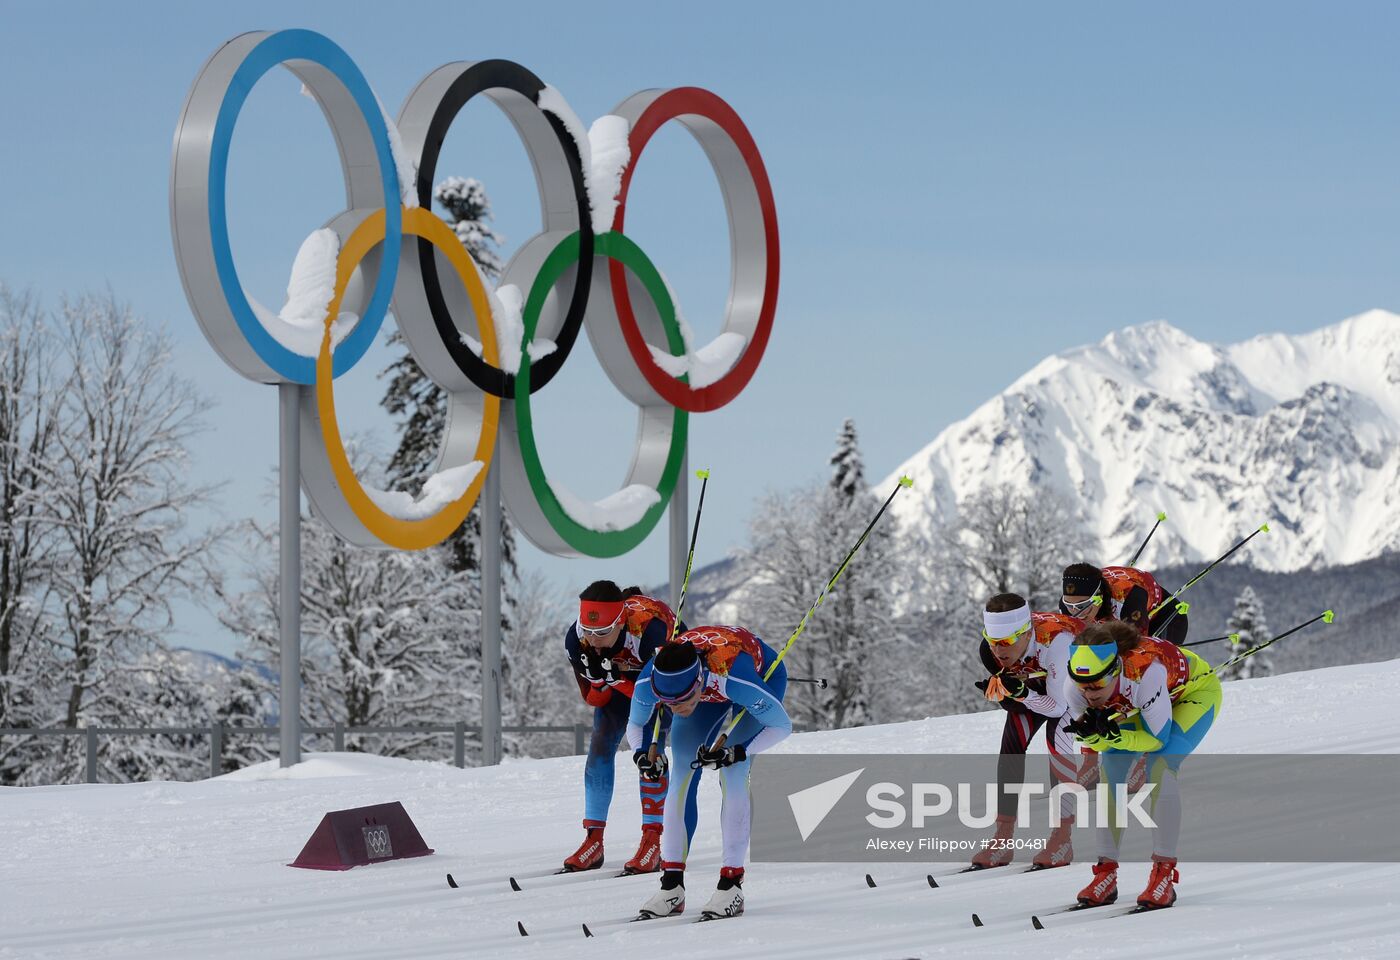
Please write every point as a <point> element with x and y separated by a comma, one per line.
<point>572,279</point>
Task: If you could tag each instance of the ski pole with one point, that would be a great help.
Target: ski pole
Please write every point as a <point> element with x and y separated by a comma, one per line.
<point>1325,616</point>
<point>1263,528</point>
<point>1182,608</point>
<point>821,682</point>
<point>1146,540</point>
<point>865,535</point>
<point>704,476</point>
<point>1232,637</point>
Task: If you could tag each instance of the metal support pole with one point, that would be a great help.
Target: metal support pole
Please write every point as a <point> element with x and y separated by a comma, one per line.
<point>680,523</point>
<point>289,538</point>
<point>491,614</point>
<point>216,748</point>
<point>338,737</point>
<point>91,754</point>
<point>459,743</point>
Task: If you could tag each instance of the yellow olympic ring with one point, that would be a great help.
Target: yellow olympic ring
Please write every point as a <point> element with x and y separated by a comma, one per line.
<point>394,531</point>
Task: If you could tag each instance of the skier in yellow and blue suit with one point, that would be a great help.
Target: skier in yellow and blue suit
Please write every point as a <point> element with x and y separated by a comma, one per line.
<point>1167,699</point>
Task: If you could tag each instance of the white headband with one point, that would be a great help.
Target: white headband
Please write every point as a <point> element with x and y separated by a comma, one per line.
<point>1005,623</point>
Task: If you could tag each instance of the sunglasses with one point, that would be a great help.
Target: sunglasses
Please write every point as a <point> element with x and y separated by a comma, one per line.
<point>1100,683</point>
<point>1006,641</point>
<point>1077,607</point>
<point>598,631</point>
<point>698,684</point>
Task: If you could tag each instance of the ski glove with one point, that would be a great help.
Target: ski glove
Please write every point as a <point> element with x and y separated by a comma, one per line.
<point>649,769</point>
<point>595,668</point>
<point>718,758</point>
<point>1013,686</point>
<point>1096,721</point>
<point>1136,741</point>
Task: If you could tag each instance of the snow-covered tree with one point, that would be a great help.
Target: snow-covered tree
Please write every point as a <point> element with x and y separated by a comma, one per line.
<point>389,637</point>
<point>104,502</point>
<point>116,493</point>
<point>847,466</point>
<point>1247,621</point>
<point>421,405</point>
<point>799,539</point>
<point>469,212</point>
<point>540,689</point>
<point>28,420</point>
<point>1007,540</point>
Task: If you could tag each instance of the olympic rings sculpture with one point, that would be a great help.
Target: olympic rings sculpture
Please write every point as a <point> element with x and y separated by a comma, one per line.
<point>580,272</point>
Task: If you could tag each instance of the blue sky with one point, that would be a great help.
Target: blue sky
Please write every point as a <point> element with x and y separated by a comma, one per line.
<point>962,189</point>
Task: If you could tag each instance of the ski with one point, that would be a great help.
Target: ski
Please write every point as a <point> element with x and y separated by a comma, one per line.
<point>932,879</point>
<point>708,916</point>
<point>554,878</point>
<point>587,928</point>
<point>1038,924</point>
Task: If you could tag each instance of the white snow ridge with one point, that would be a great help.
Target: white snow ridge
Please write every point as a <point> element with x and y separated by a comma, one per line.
<point>1297,431</point>
<point>300,324</point>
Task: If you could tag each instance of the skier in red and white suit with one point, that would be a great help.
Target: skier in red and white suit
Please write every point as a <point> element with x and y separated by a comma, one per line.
<point>1026,655</point>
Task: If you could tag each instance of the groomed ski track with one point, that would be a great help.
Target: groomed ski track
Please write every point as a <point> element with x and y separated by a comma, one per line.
<point>174,870</point>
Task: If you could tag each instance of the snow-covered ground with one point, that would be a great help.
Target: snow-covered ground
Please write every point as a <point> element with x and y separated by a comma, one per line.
<point>198,870</point>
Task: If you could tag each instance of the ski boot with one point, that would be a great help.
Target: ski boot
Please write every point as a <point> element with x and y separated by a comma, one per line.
<point>669,900</point>
<point>589,855</point>
<point>1058,850</point>
<point>647,859</point>
<point>1103,890</point>
<point>1088,773</point>
<point>728,900</point>
<point>1137,775</point>
<point>1161,884</point>
<point>998,853</point>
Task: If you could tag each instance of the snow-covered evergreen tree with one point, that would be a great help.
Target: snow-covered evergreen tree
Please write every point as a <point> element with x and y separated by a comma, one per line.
<point>798,540</point>
<point>421,403</point>
<point>1247,621</point>
<point>469,212</point>
<point>847,466</point>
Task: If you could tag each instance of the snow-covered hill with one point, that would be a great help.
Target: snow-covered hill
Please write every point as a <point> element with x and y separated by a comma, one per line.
<point>176,870</point>
<point>1297,431</point>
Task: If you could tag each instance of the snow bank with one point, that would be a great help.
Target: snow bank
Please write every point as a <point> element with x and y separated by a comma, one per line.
<point>300,324</point>
<point>706,365</point>
<point>614,512</point>
<point>321,766</point>
<point>506,304</point>
<point>438,491</point>
<point>603,150</point>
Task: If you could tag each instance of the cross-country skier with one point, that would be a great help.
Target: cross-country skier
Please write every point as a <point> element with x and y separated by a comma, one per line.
<point>1027,655</point>
<point>707,674</point>
<point>617,632</point>
<point>1092,593</point>
<point>1138,695</point>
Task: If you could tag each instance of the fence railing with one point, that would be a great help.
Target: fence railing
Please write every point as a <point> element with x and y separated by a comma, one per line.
<point>218,732</point>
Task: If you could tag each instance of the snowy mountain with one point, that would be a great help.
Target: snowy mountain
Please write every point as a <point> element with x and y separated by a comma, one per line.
<point>1296,431</point>
<point>158,870</point>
